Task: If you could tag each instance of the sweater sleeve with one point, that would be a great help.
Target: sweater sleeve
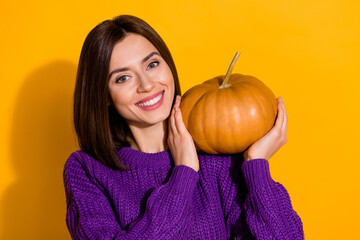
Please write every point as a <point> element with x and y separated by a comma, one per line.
<point>256,207</point>
<point>90,214</point>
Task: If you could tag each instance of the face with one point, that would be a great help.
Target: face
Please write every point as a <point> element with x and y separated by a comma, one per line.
<point>141,83</point>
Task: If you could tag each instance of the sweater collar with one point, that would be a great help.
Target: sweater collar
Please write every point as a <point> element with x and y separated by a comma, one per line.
<point>134,158</point>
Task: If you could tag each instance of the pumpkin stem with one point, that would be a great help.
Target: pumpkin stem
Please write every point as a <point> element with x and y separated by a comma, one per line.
<point>227,76</point>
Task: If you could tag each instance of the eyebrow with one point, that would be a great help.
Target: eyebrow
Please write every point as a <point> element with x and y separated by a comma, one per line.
<point>126,68</point>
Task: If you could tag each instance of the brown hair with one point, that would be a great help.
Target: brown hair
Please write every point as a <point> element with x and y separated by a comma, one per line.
<point>100,129</point>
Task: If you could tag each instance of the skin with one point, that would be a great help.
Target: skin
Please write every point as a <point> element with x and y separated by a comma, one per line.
<point>163,128</point>
<point>269,144</point>
<point>139,80</point>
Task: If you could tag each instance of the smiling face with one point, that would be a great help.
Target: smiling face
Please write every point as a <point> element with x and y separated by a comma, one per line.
<point>141,83</point>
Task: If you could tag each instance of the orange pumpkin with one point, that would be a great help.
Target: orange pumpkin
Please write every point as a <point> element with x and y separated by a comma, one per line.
<point>228,114</point>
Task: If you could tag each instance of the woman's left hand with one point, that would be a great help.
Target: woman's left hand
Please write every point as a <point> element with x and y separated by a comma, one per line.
<point>269,144</point>
<point>181,144</point>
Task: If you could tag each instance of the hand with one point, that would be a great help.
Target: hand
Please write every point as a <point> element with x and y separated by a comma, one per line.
<point>269,144</point>
<point>180,142</point>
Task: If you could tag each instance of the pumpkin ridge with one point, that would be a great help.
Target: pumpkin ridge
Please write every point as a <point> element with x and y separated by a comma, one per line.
<point>199,132</point>
<point>237,119</point>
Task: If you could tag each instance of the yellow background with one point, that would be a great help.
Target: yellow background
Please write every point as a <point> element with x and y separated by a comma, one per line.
<point>306,51</point>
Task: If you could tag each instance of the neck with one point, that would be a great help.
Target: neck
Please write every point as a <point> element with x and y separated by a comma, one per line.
<point>149,139</point>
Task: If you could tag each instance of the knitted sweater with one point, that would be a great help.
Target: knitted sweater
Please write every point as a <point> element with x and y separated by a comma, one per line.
<point>227,198</point>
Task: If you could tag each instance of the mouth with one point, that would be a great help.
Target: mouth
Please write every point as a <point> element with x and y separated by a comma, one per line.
<point>151,102</point>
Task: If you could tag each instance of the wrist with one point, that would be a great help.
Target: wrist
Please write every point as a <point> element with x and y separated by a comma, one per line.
<point>248,157</point>
<point>254,158</point>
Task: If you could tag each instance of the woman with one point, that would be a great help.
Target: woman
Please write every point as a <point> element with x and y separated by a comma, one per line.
<point>138,175</point>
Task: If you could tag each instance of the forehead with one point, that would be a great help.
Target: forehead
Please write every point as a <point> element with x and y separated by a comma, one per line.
<point>130,50</point>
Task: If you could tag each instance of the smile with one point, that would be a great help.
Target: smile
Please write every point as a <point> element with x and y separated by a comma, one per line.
<point>151,103</point>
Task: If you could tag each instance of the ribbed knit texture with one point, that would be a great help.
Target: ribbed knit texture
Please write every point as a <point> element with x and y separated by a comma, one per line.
<point>155,200</point>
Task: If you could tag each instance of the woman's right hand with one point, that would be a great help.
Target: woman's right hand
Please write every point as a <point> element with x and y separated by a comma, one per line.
<point>181,144</point>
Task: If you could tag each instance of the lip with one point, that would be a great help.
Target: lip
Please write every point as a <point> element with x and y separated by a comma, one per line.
<point>149,97</point>
<point>156,105</point>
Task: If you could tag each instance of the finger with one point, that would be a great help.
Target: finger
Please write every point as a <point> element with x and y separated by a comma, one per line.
<point>285,121</point>
<point>177,102</point>
<point>174,109</point>
<point>280,115</point>
<point>172,126</point>
<point>179,121</point>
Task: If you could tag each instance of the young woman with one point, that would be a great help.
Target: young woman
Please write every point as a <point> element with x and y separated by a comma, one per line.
<point>138,175</point>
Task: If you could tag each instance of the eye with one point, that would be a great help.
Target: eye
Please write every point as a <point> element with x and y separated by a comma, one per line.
<point>153,64</point>
<point>122,79</point>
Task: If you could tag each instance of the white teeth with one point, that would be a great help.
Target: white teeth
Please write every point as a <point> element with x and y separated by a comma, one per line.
<point>150,102</point>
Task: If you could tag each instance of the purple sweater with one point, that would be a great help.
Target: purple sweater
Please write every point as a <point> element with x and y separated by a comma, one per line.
<point>155,200</point>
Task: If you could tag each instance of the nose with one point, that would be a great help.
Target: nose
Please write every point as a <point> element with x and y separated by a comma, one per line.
<point>145,83</point>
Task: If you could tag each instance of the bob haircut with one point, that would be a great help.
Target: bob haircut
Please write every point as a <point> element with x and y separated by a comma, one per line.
<point>100,129</point>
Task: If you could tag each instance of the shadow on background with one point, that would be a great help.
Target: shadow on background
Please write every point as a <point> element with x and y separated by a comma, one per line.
<point>42,139</point>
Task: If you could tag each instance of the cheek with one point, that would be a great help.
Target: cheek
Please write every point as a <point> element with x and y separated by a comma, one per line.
<point>171,90</point>
<point>120,99</point>
<point>170,82</point>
